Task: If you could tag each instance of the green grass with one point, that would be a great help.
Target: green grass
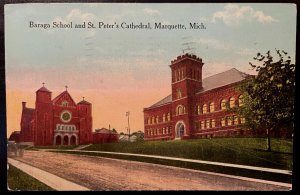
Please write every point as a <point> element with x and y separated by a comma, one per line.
<point>246,151</point>
<point>18,180</point>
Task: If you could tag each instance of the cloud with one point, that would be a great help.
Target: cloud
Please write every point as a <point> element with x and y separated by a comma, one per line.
<point>234,14</point>
<point>151,12</point>
<point>245,52</point>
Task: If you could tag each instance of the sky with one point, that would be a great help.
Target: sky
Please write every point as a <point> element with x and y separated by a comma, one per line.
<point>120,70</point>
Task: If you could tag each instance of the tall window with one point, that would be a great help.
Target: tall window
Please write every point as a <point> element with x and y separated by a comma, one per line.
<point>197,109</point>
<point>235,120</point>
<point>223,122</point>
<point>231,102</point>
<point>153,120</point>
<point>179,93</point>
<point>149,121</point>
<point>180,110</point>
<point>167,130</point>
<point>241,100</point>
<point>156,119</point>
<point>163,131</point>
<point>223,104</point>
<point>229,120</point>
<point>202,125</point>
<point>207,124</point>
<point>213,123</point>
<point>204,109</point>
<point>211,107</point>
<point>169,116</point>
<point>164,117</point>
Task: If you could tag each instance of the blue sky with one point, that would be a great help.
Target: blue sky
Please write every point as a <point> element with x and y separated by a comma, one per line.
<point>104,60</point>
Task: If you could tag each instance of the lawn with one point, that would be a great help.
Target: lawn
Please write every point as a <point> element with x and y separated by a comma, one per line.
<point>246,151</point>
<point>18,180</point>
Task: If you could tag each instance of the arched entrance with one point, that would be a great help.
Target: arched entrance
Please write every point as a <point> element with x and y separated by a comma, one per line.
<point>58,140</point>
<point>73,140</point>
<point>180,129</point>
<point>66,140</point>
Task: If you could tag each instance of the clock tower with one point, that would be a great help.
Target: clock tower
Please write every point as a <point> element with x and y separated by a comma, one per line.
<point>186,81</point>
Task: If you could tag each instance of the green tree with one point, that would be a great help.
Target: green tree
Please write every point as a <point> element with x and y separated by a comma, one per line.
<point>268,97</point>
<point>114,130</point>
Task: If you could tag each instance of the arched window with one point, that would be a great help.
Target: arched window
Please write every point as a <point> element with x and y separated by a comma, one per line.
<point>204,109</point>
<point>62,127</point>
<point>149,121</point>
<point>223,104</point>
<point>182,75</point>
<point>229,120</point>
<point>179,93</point>
<point>167,130</point>
<point>231,102</point>
<point>163,131</point>
<point>65,103</point>
<point>180,110</point>
<point>211,107</point>
<point>164,117</point>
<point>198,110</point>
<point>58,127</point>
<point>207,124</point>
<point>241,100</point>
<point>169,116</point>
<point>223,122</point>
<point>202,125</point>
<point>213,123</point>
<point>153,120</point>
<point>156,119</point>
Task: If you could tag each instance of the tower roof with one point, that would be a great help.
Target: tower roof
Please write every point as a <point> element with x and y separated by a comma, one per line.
<point>43,89</point>
<point>84,102</point>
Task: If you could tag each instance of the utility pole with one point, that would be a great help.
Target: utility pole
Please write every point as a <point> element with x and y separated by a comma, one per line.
<point>127,114</point>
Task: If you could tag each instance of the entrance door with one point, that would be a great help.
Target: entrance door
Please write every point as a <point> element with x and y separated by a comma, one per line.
<point>179,130</point>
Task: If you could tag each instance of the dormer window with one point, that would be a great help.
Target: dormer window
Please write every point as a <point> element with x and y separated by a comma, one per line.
<point>65,103</point>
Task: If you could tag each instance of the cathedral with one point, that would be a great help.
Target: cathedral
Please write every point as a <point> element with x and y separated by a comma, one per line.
<point>196,107</point>
<point>59,121</point>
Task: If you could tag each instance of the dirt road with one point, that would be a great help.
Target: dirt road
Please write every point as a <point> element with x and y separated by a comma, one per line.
<point>111,174</point>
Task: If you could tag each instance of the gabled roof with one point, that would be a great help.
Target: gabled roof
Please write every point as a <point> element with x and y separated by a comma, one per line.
<point>57,98</point>
<point>104,131</point>
<point>222,79</point>
<point>166,100</point>
<point>44,89</point>
<point>212,82</point>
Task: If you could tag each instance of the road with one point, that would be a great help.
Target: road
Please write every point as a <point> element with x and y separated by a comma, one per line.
<point>97,173</point>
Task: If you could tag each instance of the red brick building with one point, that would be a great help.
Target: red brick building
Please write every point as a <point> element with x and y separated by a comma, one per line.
<point>196,108</point>
<point>58,121</point>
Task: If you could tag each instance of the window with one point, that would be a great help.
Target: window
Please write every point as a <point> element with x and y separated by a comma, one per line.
<point>223,104</point>
<point>197,109</point>
<point>242,120</point>
<point>241,100</point>
<point>208,124</point>
<point>211,107</point>
<point>196,125</point>
<point>231,102</point>
<point>223,122</point>
<point>164,117</point>
<point>213,123</point>
<point>169,116</point>
<point>204,109</point>
<point>163,131</point>
<point>167,130</point>
<point>235,120</point>
<point>156,119</point>
<point>153,120</point>
<point>149,121</point>
<point>180,110</point>
<point>229,120</point>
<point>202,125</point>
<point>65,103</point>
<point>182,75</point>
<point>179,93</point>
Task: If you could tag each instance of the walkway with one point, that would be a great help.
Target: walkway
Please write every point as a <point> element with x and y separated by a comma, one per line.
<point>49,179</point>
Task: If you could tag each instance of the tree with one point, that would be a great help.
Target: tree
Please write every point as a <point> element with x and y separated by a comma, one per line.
<point>268,98</point>
<point>114,130</point>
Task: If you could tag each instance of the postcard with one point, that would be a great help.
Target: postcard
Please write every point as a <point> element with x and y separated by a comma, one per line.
<point>150,96</point>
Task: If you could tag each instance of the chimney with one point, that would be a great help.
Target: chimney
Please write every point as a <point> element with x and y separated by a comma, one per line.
<point>24,104</point>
